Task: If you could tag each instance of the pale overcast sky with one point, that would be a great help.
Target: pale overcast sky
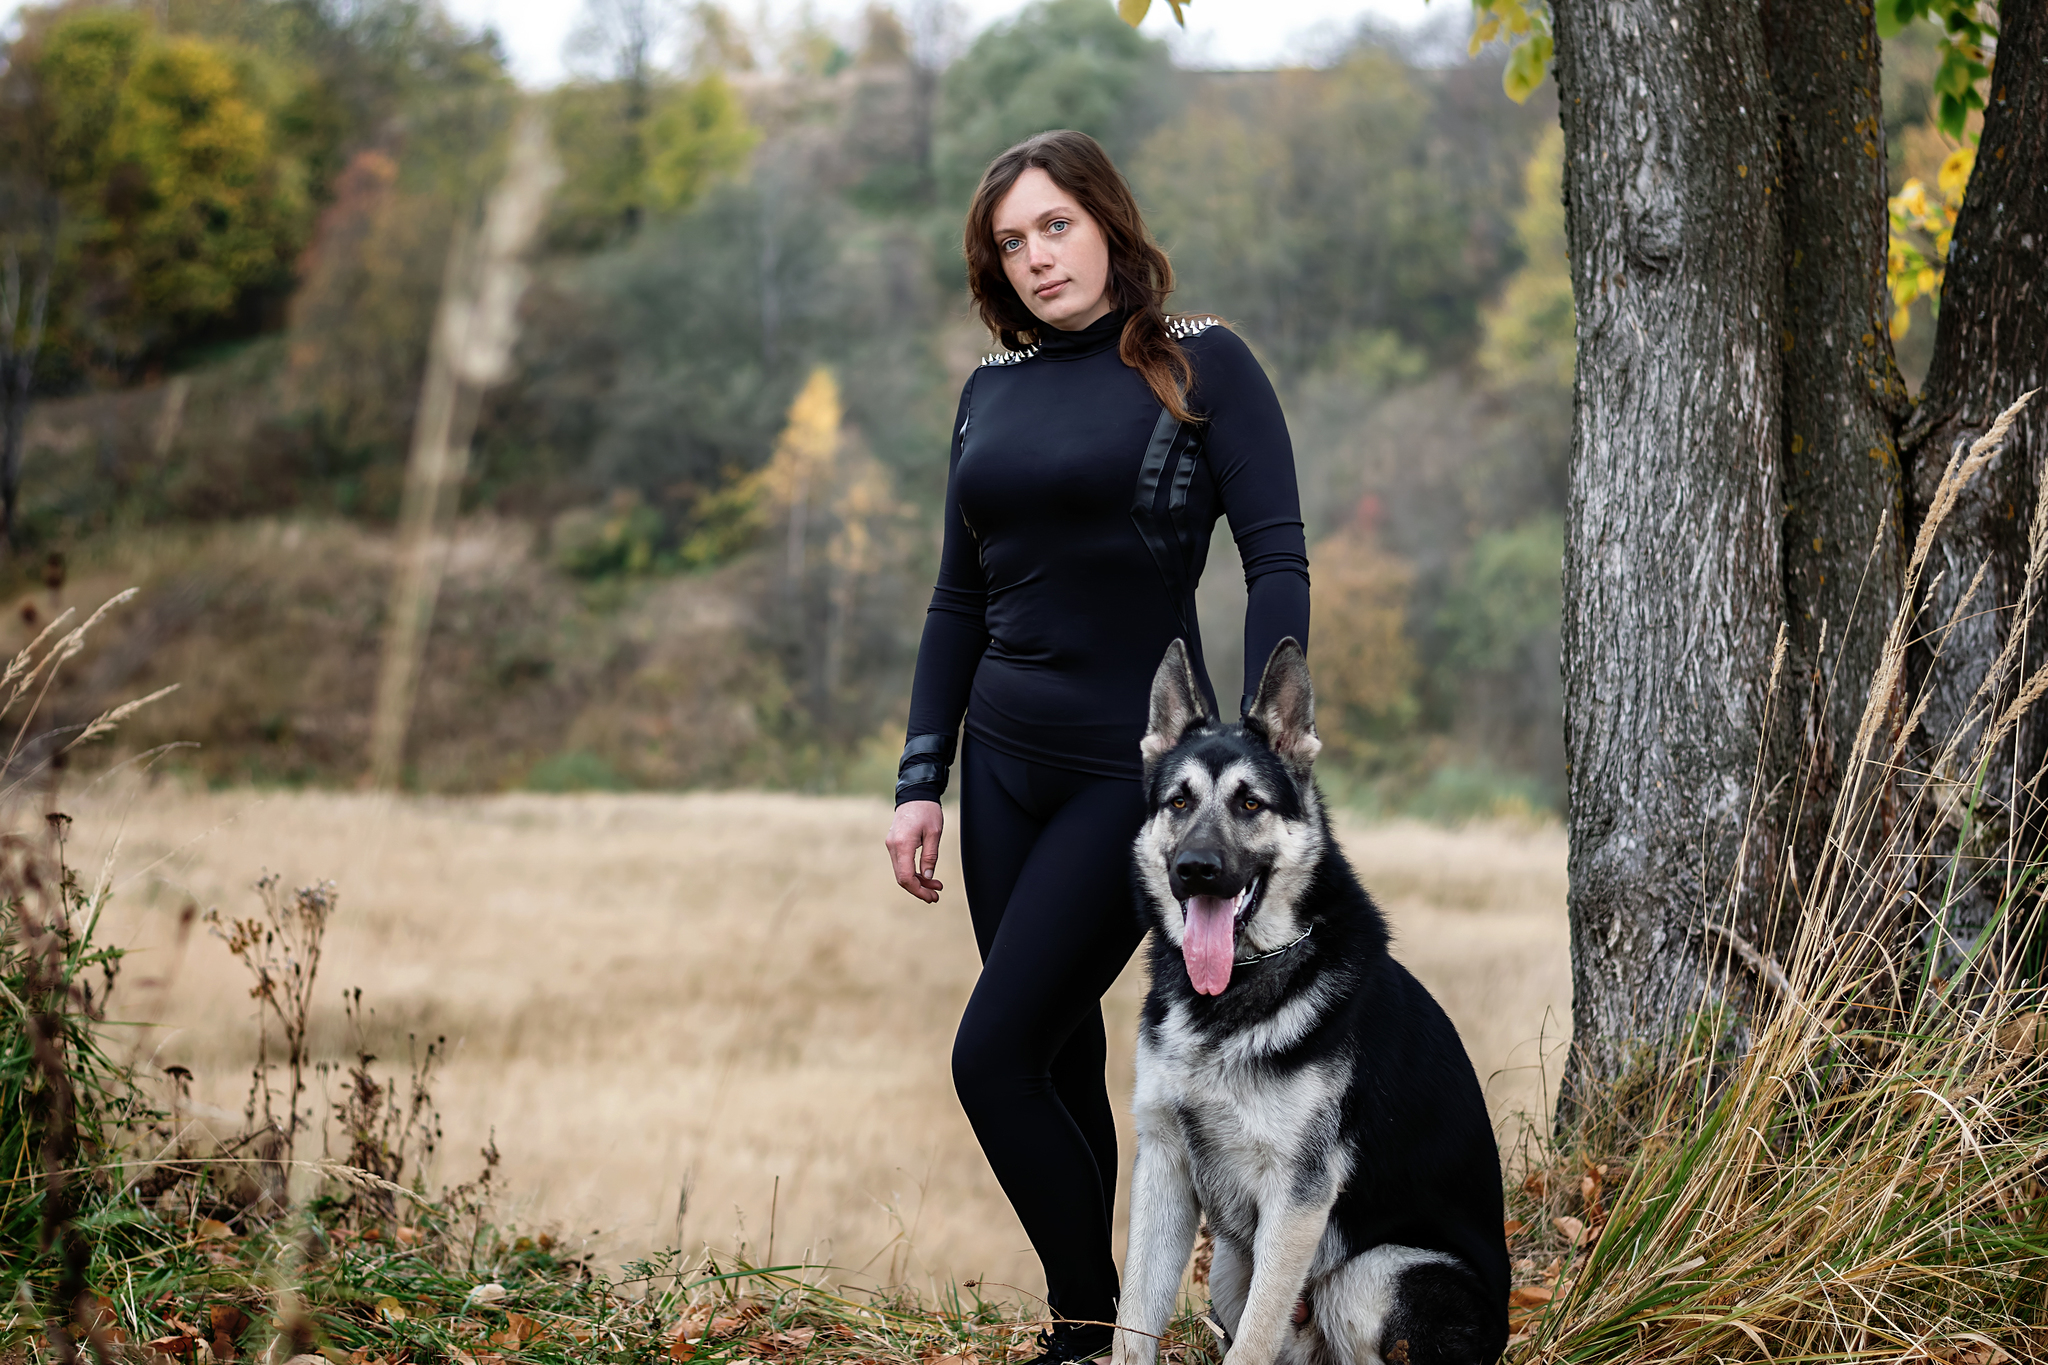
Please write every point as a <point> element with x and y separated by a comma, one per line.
<point>1249,33</point>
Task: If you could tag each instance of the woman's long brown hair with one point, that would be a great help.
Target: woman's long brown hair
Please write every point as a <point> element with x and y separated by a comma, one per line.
<point>1140,277</point>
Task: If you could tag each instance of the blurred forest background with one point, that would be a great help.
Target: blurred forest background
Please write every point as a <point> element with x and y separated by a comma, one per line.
<point>700,521</point>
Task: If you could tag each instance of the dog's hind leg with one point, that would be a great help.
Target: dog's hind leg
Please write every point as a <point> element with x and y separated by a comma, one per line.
<point>1164,1215</point>
<point>1230,1281</point>
<point>1397,1305</point>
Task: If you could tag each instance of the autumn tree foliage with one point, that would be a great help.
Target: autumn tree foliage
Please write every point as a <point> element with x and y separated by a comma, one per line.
<point>176,191</point>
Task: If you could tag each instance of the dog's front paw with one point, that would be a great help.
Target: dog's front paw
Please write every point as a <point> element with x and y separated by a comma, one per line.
<point>1132,1348</point>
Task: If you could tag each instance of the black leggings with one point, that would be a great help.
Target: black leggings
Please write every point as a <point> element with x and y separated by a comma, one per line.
<point>1046,854</point>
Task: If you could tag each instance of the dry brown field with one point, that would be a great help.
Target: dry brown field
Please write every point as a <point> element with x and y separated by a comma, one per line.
<point>722,992</point>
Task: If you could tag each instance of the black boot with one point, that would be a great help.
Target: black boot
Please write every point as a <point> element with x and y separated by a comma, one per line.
<point>1073,1343</point>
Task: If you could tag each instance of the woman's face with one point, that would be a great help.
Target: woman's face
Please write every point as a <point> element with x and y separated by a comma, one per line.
<point>1054,253</point>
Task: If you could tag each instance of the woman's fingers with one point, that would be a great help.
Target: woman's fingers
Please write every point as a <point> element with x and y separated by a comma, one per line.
<point>928,856</point>
<point>913,845</point>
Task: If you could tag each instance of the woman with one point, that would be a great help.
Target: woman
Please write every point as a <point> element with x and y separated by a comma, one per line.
<point>1090,462</point>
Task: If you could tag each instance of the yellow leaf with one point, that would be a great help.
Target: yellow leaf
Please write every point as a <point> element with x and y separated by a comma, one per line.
<point>1483,34</point>
<point>213,1230</point>
<point>1954,176</point>
<point>391,1308</point>
<point>1901,320</point>
<point>1132,12</point>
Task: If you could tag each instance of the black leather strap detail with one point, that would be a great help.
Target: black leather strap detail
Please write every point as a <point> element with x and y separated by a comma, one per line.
<point>927,761</point>
<point>1146,514</point>
<point>937,748</point>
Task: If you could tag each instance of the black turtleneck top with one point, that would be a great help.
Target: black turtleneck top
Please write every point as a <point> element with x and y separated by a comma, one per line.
<point>1077,520</point>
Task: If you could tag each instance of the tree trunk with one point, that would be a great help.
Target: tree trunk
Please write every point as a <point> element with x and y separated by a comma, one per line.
<point>1843,399</point>
<point>1673,555</point>
<point>1991,345</point>
<point>21,342</point>
<point>1740,430</point>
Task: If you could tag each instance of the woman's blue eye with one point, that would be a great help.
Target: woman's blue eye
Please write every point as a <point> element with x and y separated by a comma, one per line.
<point>1011,244</point>
<point>1057,225</point>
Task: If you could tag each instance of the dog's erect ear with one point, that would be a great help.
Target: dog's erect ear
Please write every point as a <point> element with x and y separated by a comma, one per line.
<point>1284,712</point>
<point>1177,705</point>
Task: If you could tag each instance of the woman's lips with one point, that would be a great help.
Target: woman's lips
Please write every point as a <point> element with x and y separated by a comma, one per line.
<point>1046,291</point>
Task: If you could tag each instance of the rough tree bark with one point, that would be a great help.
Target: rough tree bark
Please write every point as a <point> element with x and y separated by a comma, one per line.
<point>1991,345</point>
<point>1672,588</point>
<point>1843,401</point>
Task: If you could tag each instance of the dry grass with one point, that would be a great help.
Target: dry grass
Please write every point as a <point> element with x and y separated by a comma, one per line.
<point>1865,1181</point>
<point>721,989</point>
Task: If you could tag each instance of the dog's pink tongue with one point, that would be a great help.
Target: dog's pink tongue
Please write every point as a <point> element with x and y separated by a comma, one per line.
<point>1209,942</point>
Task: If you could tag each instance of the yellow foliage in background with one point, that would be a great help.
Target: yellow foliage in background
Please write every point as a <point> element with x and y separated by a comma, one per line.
<point>1921,228</point>
<point>628,153</point>
<point>1529,338</point>
<point>809,441</point>
<point>697,133</point>
<point>178,191</point>
<point>1365,664</point>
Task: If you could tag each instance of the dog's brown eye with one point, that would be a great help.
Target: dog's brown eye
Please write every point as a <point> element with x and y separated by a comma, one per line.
<point>1250,803</point>
<point>1180,803</point>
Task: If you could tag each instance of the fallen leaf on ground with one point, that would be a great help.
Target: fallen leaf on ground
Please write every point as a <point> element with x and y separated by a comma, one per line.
<point>1530,1295</point>
<point>1570,1228</point>
<point>1982,1353</point>
<point>410,1237</point>
<point>177,1344</point>
<point>213,1230</point>
<point>488,1293</point>
<point>1512,1226</point>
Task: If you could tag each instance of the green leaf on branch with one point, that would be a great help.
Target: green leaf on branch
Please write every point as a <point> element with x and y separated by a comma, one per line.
<point>1527,23</point>
<point>1964,64</point>
<point>1133,12</point>
<point>1526,65</point>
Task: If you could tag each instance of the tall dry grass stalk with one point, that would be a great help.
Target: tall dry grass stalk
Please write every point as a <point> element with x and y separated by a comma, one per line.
<point>60,1094</point>
<point>1866,1180</point>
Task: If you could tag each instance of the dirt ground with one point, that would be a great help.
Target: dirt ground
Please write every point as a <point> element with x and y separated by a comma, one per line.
<point>723,994</point>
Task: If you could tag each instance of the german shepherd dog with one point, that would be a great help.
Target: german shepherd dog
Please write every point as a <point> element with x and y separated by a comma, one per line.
<point>1295,1084</point>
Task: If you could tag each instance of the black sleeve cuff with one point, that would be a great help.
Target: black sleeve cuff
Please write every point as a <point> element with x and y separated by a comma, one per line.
<point>922,772</point>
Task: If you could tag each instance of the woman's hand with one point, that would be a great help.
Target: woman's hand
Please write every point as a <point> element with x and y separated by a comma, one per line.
<point>913,845</point>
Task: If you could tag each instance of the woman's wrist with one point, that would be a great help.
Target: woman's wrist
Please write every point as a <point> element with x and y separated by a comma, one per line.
<point>922,772</point>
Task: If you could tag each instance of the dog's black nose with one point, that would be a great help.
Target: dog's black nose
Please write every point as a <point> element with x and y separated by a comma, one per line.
<point>1198,869</point>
